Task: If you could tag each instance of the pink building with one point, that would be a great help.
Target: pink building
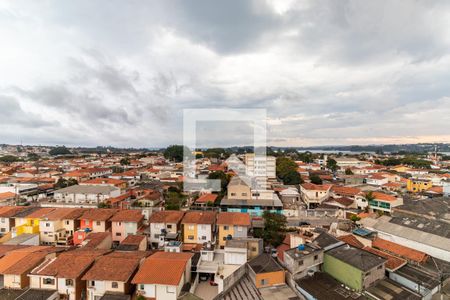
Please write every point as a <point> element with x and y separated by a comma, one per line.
<point>126,222</point>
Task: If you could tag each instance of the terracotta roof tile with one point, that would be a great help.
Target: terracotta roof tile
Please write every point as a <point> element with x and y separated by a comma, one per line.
<point>393,263</point>
<point>199,217</point>
<point>351,240</point>
<point>399,250</point>
<point>112,269</point>
<point>166,216</point>
<point>98,214</point>
<point>233,218</point>
<point>206,198</point>
<point>131,215</point>
<point>164,268</point>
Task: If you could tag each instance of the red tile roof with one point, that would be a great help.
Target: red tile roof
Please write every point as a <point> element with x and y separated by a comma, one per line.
<point>98,214</point>
<point>393,263</point>
<point>112,269</point>
<point>351,240</point>
<point>345,190</point>
<point>399,250</point>
<point>206,198</point>
<point>165,268</point>
<point>166,216</point>
<point>233,218</point>
<point>131,215</point>
<point>316,187</point>
<point>199,217</point>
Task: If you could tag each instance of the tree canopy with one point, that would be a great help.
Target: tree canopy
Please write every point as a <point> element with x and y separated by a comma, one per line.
<point>59,151</point>
<point>9,159</point>
<point>274,228</point>
<point>315,179</point>
<point>332,164</point>
<point>175,153</point>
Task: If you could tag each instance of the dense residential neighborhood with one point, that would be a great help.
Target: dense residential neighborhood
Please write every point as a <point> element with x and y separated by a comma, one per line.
<point>298,225</point>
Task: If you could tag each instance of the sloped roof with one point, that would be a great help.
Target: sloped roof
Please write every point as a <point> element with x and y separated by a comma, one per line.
<point>233,218</point>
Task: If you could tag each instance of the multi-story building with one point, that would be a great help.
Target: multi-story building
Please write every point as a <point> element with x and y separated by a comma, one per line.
<point>314,194</point>
<point>124,223</point>
<point>164,224</point>
<point>356,268</point>
<point>199,227</point>
<point>260,166</point>
<point>231,225</point>
<point>86,194</point>
<point>416,185</point>
<point>58,226</point>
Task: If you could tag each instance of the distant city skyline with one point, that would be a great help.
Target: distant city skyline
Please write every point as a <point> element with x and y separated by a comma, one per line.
<point>329,73</point>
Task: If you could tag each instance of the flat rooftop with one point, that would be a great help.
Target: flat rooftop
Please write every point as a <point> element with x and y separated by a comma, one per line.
<point>388,289</point>
<point>323,286</point>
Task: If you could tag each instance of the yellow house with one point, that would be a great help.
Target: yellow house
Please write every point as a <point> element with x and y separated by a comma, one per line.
<point>418,185</point>
<point>232,225</point>
<point>198,227</point>
<point>400,169</point>
<point>28,221</point>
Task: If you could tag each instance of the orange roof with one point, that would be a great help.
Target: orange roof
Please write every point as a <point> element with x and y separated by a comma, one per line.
<point>199,217</point>
<point>10,211</point>
<point>98,214</point>
<point>64,214</point>
<point>206,198</point>
<point>393,263</point>
<point>233,218</point>
<point>112,268</point>
<point>351,240</point>
<point>7,196</point>
<point>131,215</point>
<point>166,216</point>
<point>40,213</point>
<point>164,268</point>
<point>345,190</point>
<point>400,250</point>
<point>104,181</point>
<point>383,197</point>
<point>319,187</point>
<point>436,189</point>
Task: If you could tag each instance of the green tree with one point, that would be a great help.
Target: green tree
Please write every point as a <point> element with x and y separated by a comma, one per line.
<point>125,161</point>
<point>315,179</point>
<point>285,166</point>
<point>175,153</point>
<point>348,171</point>
<point>9,159</point>
<point>332,164</point>
<point>224,178</point>
<point>274,228</point>
<point>62,183</point>
<point>59,151</point>
<point>32,156</point>
<point>292,177</point>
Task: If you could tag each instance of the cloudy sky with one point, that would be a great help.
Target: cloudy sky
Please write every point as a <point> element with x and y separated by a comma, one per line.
<point>121,72</point>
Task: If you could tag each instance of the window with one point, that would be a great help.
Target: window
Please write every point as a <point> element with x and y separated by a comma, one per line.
<point>244,194</point>
<point>67,222</point>
<point>264,281</point>
<point>170,289</point>
<point>141,287</point>
<point>300,262</point>
<point>239,228</point>
<point>190,237</point>
<point>233,194</point>
<point>69,282</point>
<point>49,281</point>
<point>118,234</point>
<point>316,257</point>
<point>253,249</point>
<point>191,227</point>
<point>225,227</point>
<point>114,285</point>
<point>3,220</point>
<point>169,226</point>
<point>204,238</point>
<point>47,224</point>
<point>92,283</point>
<point>3,229</point>
<point>98,223</point>
<point>224,238</point>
